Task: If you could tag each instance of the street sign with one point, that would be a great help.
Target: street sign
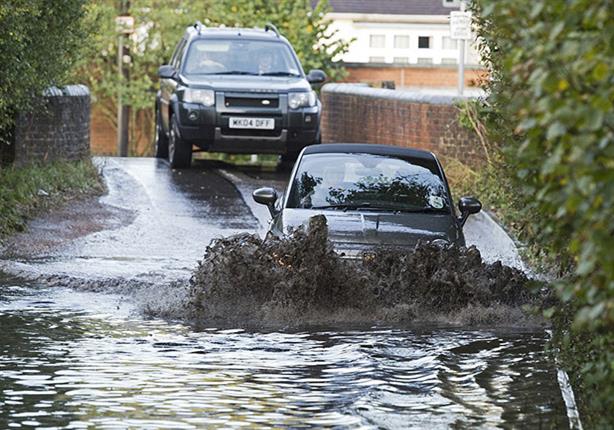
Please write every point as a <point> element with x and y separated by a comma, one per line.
<point>460,25</point>
<point>125,24</point>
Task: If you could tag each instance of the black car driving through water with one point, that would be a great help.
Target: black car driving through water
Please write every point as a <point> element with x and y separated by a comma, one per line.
<point>371,195</point>
<point>236,91</point>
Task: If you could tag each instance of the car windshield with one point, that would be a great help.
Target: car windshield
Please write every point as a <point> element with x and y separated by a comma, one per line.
<point>240,57</point>
<point>368,181</point>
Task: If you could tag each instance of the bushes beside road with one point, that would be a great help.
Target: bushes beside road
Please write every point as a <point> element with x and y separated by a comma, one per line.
<point>39,43</point>
<point>551,110</point>
<point>27,190</point>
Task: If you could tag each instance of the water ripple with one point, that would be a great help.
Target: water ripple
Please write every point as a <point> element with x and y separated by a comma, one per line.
<point>77,360</point>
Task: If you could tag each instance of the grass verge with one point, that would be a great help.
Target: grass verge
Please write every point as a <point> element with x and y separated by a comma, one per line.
<point>25,191</point>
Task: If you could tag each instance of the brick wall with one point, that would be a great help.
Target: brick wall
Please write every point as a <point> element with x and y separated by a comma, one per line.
<point>58,130</point>
<point>103,133</point>
<point>412,75</point>
<point>359,114</point>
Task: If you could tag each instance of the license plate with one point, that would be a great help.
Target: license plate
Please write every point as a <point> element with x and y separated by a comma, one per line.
<point>254,123</point>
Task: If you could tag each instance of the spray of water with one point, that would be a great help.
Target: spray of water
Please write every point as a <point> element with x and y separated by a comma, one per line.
<point>300,279</point>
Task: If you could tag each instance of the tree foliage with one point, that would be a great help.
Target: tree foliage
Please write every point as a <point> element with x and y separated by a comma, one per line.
<point>39,43</point>
<point>551,105</point>
<point>159,26</point>
<point>305,28</point>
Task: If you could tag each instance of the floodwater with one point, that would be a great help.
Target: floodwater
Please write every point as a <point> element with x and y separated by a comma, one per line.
<point>71,359</point>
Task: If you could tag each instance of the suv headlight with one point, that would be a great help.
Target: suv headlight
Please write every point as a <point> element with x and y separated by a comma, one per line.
<point>298,100</point>
<point>203,97</point>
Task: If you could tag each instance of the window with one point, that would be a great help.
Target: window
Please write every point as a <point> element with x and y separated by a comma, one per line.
<point>449,43</point>
<point>451,3</point>
<point>377,60</point>
<point>400,60</point>
<point>424,42</point>
<point>448,61</point>
<point>377,41</point>
<point>385,182</point>
<point>425,61</point>
<point>178,54</point>
<point>237,56</point>
<point>401,42</point>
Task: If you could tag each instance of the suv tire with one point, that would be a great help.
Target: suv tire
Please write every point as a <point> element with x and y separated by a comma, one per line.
<point>287,161</point>
<point>179,152</point>
<point>160,139</point>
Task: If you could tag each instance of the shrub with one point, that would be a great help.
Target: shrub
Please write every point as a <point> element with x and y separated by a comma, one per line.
<point>551,106</point>
<point>39,43</point>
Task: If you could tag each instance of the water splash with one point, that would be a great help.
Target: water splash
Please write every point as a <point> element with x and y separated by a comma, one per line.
<point>300,279</point>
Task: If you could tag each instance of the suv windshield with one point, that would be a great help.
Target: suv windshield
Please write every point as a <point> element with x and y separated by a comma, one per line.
<point>373,182</point>
<point>240,57</point>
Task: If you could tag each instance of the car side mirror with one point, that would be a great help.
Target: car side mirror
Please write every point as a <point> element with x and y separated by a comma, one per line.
<point>266,196</point>
<point>167,72</point>
<point>316,76</point>
<point>468,206</point>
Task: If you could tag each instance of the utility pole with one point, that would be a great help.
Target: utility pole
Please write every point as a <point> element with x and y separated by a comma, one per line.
<point>461,59</point>
<point>460,30</point>
<point>125,24</point>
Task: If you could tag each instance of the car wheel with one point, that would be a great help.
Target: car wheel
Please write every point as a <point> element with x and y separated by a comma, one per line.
<point>287,161</point>
<point>179,152</point>
<point>160,139</point>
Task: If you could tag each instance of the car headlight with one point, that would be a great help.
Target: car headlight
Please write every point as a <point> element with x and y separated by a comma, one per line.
<point>298,100</point>
<point>203,97</point>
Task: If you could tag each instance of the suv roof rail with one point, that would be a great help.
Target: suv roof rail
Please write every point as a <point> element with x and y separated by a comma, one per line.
<point>270,27</point>
<point>199,26</point>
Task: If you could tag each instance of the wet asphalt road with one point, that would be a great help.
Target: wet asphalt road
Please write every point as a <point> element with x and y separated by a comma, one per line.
<point>174,214</point>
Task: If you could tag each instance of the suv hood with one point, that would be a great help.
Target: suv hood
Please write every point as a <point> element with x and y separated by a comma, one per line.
<point>352,232</point>
<point>247,83</point>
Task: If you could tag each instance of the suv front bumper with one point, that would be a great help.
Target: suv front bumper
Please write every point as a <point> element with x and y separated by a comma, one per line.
<point>208,127</point>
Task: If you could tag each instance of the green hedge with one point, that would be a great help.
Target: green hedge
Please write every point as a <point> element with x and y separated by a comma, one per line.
<point>551,108</point>
<point>39,43</point>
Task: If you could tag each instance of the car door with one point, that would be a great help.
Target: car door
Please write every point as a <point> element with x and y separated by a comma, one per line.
<point>168,86</point>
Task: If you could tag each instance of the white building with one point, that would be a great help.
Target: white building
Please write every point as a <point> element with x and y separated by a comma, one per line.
<point>399,31</point>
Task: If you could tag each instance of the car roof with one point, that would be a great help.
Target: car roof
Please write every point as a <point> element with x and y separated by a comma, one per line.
<point>226,32</point>
<point>369,148</point>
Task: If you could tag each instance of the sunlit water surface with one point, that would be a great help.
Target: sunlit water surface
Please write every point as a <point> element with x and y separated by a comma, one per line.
<point>85,360</point>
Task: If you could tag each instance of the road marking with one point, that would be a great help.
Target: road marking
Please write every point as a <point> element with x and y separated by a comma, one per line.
<point>573,415</point>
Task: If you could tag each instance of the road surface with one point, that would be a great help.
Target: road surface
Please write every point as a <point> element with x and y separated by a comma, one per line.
<point>155,223</point>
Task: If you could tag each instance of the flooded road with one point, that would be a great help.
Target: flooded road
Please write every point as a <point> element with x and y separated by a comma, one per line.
<point>70,358</point>
<point>81,360</point>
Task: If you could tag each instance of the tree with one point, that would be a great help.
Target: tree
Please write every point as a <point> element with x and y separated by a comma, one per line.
<point>159,25</point>
<point>39,44</point>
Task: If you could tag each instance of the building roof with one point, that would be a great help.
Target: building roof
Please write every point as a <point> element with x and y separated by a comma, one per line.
<point>390,7</point>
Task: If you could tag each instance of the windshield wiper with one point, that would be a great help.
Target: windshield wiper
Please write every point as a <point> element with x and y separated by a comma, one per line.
<point>346,206</point>
<point>354,206</point>
<point>279,74</point>
<point>231,72</point>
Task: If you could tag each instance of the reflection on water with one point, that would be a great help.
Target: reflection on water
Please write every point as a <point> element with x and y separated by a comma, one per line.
<point>73,360</point>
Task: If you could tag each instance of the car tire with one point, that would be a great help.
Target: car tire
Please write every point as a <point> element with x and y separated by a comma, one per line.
<point>179,151</point>
<point>160,139</point>
<point>287,161</point>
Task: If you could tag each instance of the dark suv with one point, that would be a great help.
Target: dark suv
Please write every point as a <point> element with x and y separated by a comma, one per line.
<point>235,91</point>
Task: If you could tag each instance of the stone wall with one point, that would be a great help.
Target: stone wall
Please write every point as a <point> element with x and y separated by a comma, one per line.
<point>359,114</point>
<point>59,129</point>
